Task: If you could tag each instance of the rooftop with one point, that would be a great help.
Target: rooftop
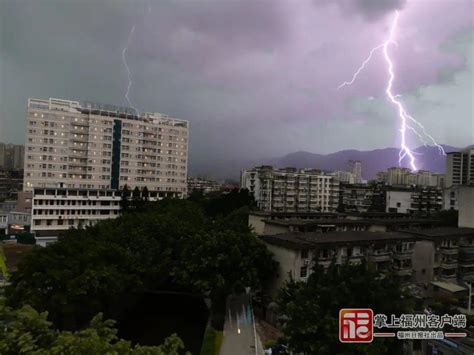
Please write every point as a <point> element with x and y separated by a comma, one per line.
<point>343,221</point>
<point>311,240</point>
<point>443,232</point>
<point>448,286</point>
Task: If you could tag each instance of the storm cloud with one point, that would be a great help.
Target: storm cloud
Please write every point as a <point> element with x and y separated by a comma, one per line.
<point>254,78</point>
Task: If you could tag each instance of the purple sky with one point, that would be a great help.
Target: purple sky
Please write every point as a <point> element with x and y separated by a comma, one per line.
<point>255,78</point>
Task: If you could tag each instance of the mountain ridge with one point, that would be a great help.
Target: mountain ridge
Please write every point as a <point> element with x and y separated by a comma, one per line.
<point>373,161</point>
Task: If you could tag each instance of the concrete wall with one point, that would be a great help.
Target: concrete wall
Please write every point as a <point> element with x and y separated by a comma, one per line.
<point>466,206</point>
<point>256,222</point>
<point>423,261</point>
<point>399,201</point>
<point>289,263</point>
<point>270,229</point>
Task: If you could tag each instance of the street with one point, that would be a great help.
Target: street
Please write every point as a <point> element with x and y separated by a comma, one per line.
<point>239,338</point>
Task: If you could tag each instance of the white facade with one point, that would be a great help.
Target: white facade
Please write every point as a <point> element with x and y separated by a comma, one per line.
<point>345,177</point>
<point>56,210</point>
<point>460,168</point>
<point>398,201</point>
<point>94,146</point>
<point>292,190</point>
<point>355,167</point>
<point>404,177</point>
<point>466,206</point>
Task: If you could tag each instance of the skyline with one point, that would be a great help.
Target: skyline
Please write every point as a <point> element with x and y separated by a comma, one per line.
<point>220,65</point>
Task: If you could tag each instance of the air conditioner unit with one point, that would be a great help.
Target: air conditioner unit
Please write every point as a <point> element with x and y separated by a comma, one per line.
<point>307,261</point>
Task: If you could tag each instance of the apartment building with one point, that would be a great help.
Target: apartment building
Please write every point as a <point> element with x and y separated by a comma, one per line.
<point>355,167</point>
<point>343,224</point>
<point>204,185</point>
<point>296,253</point>
<point>291,190</point>
<point>404,177</point>
<point>95,146</point>
<point>345,177</point>
<point>58,209</point>
<point>11,156</point>
<point>357,197</point>
<point>414,200</point>
<point>466,206</point>
<point>460,168</point>
<point>445,253</point>
<point>78,157</point>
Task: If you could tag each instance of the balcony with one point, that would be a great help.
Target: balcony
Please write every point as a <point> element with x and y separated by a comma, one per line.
<point>380,256</point>
<point>449,264</point>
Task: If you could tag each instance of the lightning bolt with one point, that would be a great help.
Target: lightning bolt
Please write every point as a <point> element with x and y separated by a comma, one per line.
<point>407,122</point>
<point>129,74</point>
<point>125,64</point>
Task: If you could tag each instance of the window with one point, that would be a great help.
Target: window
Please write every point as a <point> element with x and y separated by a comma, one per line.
<point>399,204</point>
<point>304,254</point>
<point>303,271</point>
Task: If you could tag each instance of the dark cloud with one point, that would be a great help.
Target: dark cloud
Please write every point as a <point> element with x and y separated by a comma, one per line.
<point>370,9</point>
<point>254,78</point>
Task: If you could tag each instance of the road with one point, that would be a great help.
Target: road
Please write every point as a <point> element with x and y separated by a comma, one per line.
<point>239,333</point>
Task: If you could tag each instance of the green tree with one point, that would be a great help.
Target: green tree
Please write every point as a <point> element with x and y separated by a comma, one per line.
<point>28,332</point>
<point>125,200</point>
<point>311,309</point>
<point>145,194</point>
<point>169,245</point>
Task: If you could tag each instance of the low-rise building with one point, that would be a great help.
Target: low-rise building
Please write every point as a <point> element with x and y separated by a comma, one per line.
<point>347,224</point>
<point>445,253</point>
<point>296,253</point>
<point>56,210</point>
<point>414,200</point>
<point>204,185</point>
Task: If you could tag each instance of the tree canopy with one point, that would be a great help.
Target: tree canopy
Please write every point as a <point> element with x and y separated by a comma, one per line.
<point>28,332</point>
<point>311,309</point>
<point>171,245</point>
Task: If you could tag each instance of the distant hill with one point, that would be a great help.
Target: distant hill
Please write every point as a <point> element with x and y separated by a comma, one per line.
<point>373,161</point>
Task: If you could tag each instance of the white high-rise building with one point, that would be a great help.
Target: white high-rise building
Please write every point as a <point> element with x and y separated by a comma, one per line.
<point>460,168</point>
<point>355,167</point>
<point>94,146</point>
<point>292,190</point>
<point>78,157</point>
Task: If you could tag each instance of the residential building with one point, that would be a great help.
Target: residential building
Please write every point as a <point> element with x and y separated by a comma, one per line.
<point>445,253</point>
<point>12,222</point>
<point>460,168</point>
<point>344,224</point>
<point>345,177</point>
<point>58,209</point>
<point>466,206</point>
<point>356,197</point>
<point>11,156</point>
<point>95,146</point>
<point>204,185</point>
<point>11,182</point>
<point>451,198</point>
<point>355,167</point>
<point>397,176</point>
<point>296,253</point>
<point>292,190</point>
<point>414,200</point>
